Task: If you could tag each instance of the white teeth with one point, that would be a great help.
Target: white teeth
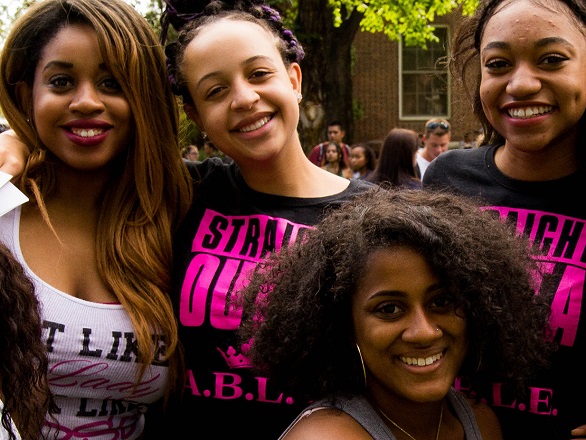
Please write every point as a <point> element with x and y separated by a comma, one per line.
<point>421,362</point>
<point>87,133</point>
<point>256,125</point>
<point>528,112</point>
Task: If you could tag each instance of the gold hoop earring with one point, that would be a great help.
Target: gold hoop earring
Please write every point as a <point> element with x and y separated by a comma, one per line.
<point>362,363</point>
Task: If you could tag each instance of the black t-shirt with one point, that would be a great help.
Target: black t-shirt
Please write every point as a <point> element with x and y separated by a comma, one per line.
<point>553,214</point>
<point>229,229</point>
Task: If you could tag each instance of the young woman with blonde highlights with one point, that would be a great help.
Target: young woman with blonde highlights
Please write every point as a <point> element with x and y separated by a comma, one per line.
<point>83,84</point>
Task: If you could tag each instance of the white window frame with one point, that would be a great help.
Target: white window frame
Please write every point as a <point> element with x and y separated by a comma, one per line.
<point>441,68</point>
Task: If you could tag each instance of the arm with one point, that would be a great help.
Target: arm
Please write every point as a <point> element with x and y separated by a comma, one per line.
<point>13,153</point>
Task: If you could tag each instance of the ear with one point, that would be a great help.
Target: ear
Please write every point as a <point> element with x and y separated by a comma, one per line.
<point>192,114</point>
<point>295,76</point>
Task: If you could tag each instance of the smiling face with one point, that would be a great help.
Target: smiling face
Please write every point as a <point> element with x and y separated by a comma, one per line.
<point>79,109</point>
<point>533,66</point>
<point>396,310</point>
<point>244,97</point>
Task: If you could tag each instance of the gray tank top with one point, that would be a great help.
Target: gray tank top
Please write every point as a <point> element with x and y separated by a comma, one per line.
<point>362,411</point>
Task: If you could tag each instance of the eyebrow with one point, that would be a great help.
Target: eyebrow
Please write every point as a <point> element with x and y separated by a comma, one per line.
<point>67,65</point>
<point>540,43</point>
<point>433,289</point>
<point>246,62</point>
<point>62,64</point>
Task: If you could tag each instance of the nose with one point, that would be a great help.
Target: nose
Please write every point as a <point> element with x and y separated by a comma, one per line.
<point>420,328</point>
<point>244,96</point>
<point>523,81</point>
<point>86,99</point>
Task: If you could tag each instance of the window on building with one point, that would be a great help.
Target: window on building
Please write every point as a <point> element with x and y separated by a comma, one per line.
<point>424,82</point>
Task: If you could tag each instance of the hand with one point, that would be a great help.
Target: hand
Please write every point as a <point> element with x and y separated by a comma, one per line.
<point>579,433</point>
<point>13,153</point>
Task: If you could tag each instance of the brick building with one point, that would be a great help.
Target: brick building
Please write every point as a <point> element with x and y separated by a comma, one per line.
<point>396,86</point>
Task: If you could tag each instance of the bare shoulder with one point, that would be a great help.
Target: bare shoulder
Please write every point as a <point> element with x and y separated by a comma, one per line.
<point>327,424</point>
<point>488,422</point>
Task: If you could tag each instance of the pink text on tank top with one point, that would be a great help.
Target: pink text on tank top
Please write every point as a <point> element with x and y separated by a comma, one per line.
<point>119,428</point>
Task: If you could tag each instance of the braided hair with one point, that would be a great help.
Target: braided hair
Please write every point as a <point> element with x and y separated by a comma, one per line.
<point>188,17</point>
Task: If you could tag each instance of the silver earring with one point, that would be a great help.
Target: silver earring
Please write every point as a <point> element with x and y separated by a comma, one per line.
<point>437,329</point>
<point>299,97</point>
<point>204,135</point>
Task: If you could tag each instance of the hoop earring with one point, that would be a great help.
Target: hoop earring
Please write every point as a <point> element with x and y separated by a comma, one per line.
<point>362,363</point>
<point>479,363</point>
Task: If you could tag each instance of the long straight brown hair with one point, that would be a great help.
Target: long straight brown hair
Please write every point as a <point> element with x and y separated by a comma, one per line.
<point>150,190</point>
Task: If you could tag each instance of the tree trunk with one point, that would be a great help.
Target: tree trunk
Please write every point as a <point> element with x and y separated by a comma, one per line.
<point>327,70</point>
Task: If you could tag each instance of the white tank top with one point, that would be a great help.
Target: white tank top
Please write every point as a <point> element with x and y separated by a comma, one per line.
<point>92,359</point>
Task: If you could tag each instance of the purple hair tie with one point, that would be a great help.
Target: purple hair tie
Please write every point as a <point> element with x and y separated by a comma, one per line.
<point>178,20</point>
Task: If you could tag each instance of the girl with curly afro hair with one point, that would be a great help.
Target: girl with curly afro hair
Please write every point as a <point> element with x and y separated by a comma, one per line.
<point>392,302</point>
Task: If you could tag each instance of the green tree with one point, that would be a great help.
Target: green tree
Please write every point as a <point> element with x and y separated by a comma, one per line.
<point>327,29</point>
<point>9,9</point>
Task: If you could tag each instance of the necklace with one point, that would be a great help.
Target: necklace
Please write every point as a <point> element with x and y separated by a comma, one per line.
<point>409,435</point>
